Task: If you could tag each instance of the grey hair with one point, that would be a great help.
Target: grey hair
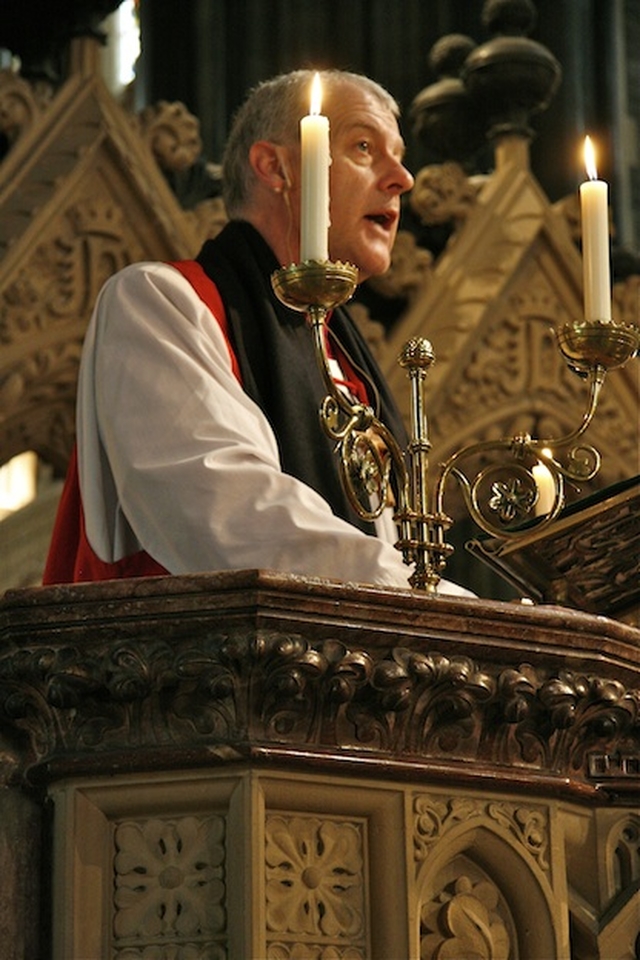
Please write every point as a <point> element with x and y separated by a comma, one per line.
<point>272,112</point>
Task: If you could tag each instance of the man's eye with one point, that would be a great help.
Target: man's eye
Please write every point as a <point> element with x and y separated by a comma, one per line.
<point>364,146</point>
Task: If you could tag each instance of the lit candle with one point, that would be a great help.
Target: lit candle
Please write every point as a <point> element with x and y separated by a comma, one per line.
<point>314,214</point>
<point>595,241</point>
<point>546,485</point>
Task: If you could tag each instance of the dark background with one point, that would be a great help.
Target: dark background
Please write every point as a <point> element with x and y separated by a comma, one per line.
<point>208,53</point>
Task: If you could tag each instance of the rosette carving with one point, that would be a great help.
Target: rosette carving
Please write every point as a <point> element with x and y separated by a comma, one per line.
<point>315,878</point>
<point>169,884</point>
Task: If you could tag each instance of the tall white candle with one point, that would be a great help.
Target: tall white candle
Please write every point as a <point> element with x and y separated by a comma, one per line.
<point>314,213</point>
<point>595,241</point>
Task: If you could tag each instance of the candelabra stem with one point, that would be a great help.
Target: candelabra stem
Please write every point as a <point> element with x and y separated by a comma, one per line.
<point>422,532</point>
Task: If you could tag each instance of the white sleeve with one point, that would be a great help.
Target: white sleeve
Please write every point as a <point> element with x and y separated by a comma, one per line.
<point>177,460</point>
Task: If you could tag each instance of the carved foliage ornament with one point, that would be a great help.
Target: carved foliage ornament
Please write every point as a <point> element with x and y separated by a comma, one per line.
<point>315,885</point>
<point>44,312</point>
<point>169,889</point>
<point>464,912</point>
<point>173,134</point>
<point>443,193</point>
<point>61,281</point>
<point>464,921</point>
<point>269,687</point>
<point>435,818</point>
<point>20,103</point>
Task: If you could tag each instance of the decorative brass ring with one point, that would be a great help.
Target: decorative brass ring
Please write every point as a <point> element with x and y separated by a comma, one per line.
<point>315,283</point>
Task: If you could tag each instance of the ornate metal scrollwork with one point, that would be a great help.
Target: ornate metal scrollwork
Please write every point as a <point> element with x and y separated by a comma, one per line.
<point>502,498</point>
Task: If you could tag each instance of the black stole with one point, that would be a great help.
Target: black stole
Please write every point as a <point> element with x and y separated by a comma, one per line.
<point>274,348</point>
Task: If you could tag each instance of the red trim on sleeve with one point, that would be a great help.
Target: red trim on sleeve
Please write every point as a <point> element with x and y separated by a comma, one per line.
<point>71,558</point>
<point>210,296</point>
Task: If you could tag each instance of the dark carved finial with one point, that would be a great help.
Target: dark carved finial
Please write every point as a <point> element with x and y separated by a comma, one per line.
<point>511,77</point>
<point>484,92</point>
<point>442,116</point>
<point>509,17</point>
<point>448,54</point>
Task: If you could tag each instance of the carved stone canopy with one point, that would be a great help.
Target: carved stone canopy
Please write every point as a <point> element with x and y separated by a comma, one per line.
<point>80,197</point>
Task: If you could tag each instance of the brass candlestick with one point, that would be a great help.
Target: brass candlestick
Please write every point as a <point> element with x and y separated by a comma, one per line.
<point>502,497</point>
<point>372,465</point>
<point>367,451</point>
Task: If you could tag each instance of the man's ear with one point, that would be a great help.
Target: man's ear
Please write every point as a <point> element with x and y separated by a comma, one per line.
<point>270,164</point>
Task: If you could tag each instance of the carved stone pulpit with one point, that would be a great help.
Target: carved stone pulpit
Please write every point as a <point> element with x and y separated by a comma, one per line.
<point>250,765</point>
<point>256,765</point>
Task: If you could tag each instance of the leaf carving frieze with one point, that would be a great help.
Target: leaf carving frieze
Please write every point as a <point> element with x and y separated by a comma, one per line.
<point>259,688</point>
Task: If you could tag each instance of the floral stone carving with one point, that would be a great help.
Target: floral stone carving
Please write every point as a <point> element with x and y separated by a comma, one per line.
<point>435,818</point>
<point>315,885</point>
<point>169,885</point>
<point>463,921</point>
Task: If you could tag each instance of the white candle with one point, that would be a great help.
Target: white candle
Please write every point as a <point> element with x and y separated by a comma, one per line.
<point>595,241</point>
<point>546,488</point>
<point>314,214</point>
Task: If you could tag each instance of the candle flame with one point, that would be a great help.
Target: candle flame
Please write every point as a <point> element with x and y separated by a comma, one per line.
<point>590,159</point>
<point>316,95</point>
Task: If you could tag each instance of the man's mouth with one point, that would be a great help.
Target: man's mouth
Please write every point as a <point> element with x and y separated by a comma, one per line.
<point>385,218</point>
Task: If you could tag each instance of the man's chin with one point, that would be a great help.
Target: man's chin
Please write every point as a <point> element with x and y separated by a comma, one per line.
<point>374,266</point>
<point>371,260</point>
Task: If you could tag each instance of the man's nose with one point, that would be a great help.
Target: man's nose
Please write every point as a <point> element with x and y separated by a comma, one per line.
<point>398,178</point>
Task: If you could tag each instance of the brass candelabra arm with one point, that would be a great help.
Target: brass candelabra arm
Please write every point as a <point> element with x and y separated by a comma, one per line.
<point>528,480</point>
<point>370,460</point>
<point>503,497</point>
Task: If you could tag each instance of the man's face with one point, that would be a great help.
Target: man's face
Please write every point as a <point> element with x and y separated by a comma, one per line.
<point>367,178</point>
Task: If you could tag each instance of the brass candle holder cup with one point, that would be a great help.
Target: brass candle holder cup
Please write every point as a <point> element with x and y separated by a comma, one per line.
<point>502,497</point>
<point>598,343</point>
<point>315,285</point>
